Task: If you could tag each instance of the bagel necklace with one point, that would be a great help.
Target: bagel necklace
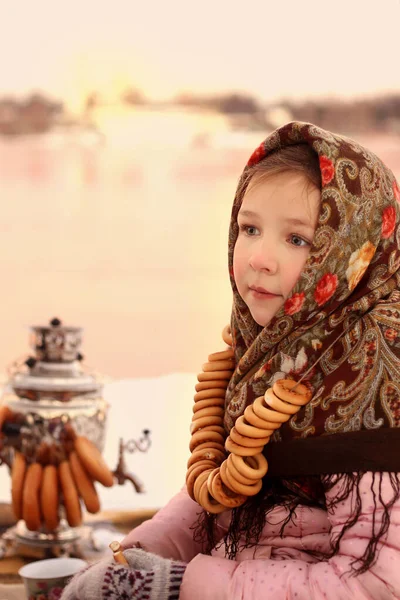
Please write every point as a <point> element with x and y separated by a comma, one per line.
<point>222,472</point>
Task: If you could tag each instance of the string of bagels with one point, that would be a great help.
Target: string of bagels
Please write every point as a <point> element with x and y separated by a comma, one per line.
<point>223,472</point>
<point>60,473</point>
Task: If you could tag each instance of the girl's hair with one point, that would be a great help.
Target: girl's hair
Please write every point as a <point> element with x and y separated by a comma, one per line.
<point>299,158</point>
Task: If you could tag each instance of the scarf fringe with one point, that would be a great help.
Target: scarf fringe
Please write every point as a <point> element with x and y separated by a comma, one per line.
<point>248,521</point>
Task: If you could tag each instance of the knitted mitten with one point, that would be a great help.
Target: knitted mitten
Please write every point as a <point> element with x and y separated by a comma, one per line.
<point>148,577</point>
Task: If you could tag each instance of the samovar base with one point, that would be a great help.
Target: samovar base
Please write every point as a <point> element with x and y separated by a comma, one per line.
<point>19,540</point>
<point>64,535</point>
<point>80,542</point>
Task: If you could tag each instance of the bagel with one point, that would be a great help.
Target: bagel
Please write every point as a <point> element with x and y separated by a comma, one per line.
<point>236,474</point>
<point>234,448</point>
<point>207,501</point>
<point>211,375</point>
<point>43,453</point>
<point>200,479</point>
<point>221,493</point>
<point>198,424</point>
<point>209,393</point>
<point>236,486</point>
<point>212,454</point>
<point>300,396</point>
<point>72,504</point>
<point>208,411</point>
<point>31,496</point>
<point>200,404</point>
<point>216,429</point>
<point>205,436</point>
<point>251,431</point>
<point>252,419</point>
<point>245,441</point>
<point>193,472</point>
<point>211,445</point>
<point>254,467</point>
<point>49,497</point>
<point>266,413</point>
<point>207,385</point>
<point>279,405</point>
<point>18,472</point>
<point>93,462</point>
<point>84,484</point>
<point>6,414</point>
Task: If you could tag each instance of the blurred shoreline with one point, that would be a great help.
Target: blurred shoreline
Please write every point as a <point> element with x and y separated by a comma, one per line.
<point>38,114</point>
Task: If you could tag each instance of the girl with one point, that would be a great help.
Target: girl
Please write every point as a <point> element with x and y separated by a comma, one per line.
<point>314,263</point>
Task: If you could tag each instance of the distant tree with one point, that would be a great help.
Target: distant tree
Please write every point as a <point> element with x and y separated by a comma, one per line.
<point>237,103</point>
<point>388,109</point>
<point>186,99</point>
<point>92,100</point>
<point>226,103</point>
<point>133,96</point>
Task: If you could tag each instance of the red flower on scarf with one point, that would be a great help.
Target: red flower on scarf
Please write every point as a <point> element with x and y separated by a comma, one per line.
<point>262,370</point>
<point>294,303</point>
<point>388,221</point>
<point>325,289</point>
<point>257,155</point>
<point>396,191</point>
<point>327,169</point>
<point>391,334</point>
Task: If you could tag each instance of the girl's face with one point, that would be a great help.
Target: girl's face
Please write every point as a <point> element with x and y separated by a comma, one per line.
<point>277,222</point>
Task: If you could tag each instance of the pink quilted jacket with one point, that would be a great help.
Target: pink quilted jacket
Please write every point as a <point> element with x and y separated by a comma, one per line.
<point>281,567</point>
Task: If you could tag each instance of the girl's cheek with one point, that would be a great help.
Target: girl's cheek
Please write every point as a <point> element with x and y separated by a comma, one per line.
<point>240,261</point>
<point>236,258</point>
<point>235,273</point>
<point>237,269</point>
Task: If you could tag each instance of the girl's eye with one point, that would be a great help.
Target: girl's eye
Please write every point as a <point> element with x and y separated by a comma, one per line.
<point>249,229</point>
<point>296,240</point>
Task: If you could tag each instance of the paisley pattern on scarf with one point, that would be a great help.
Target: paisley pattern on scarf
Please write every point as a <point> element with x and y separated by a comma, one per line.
<point>345,306</point>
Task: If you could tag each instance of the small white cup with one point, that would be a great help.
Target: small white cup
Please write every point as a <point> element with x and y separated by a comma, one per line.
<point>45,579</point>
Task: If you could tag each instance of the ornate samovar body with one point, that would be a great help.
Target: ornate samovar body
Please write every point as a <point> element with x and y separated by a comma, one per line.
<point>54,385</point>
<point>52,424</point>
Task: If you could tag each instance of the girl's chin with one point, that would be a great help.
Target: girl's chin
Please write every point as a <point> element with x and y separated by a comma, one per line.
<point>262,320</point>
<point>263,323</point>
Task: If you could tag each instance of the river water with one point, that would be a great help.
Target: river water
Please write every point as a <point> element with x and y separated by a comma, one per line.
<point>126,235</point>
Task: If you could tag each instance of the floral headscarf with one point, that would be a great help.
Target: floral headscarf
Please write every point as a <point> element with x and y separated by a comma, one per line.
<point>344,312</point>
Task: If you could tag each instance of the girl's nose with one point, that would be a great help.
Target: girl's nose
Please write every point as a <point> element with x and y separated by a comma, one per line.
<point>263,258</point>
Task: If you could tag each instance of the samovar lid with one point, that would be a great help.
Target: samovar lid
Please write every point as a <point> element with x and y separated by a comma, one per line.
<point>56,364</point>
<point>56,342</point>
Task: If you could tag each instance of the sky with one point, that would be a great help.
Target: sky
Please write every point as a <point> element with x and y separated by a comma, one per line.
<point>271,49</point>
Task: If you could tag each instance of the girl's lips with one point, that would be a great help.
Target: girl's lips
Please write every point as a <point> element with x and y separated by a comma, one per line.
<point>262,295</point>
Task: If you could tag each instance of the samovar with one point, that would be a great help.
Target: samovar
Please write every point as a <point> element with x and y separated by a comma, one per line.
<point>52,431</point>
